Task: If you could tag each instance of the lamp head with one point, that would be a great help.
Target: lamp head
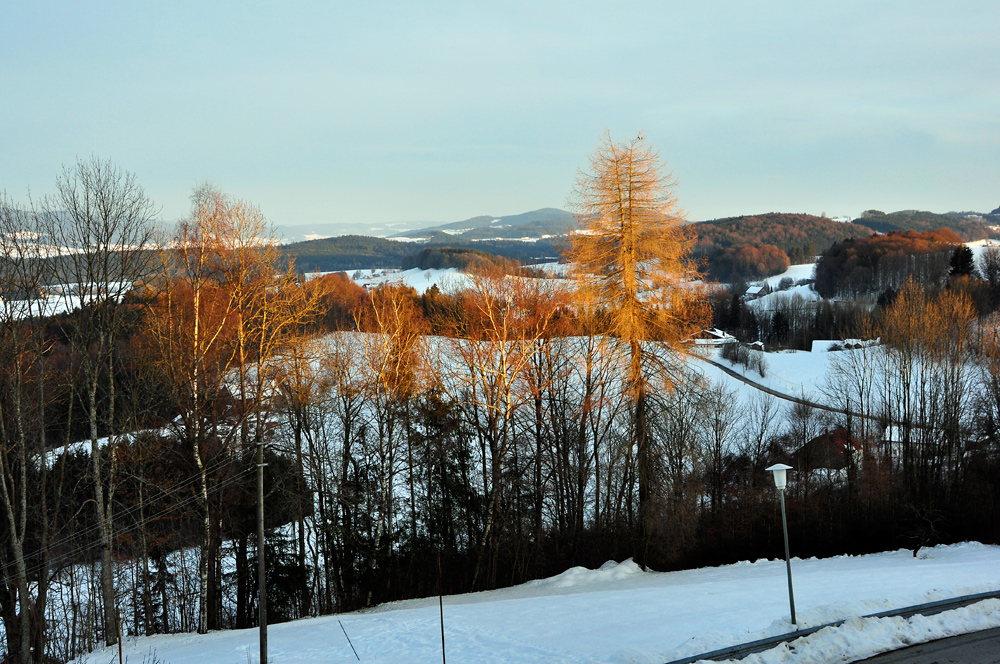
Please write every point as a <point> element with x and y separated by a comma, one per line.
<point>780,479</point>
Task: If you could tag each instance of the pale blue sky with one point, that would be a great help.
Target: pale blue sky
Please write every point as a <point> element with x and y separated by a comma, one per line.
<point>373,112</point>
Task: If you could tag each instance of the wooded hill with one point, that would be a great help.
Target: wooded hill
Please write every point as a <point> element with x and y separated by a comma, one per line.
<point>729,249</point>
<point>756,246</point>
<point>785,231</point>
<point>968,227</point>
<point>347,252</point>
<point>352,252</point>
<point>886,262</point>
<point>801,236</point>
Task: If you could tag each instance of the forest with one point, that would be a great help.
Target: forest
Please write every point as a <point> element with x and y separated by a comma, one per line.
<point>514,428</point>
<point>756,246</point>
<point>351,252</point>
<point>968,228</point>
<point>881,263</point>
<point>785,231</point>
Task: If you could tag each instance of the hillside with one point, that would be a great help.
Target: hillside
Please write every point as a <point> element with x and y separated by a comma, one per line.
<point>785,231</point>
<point>353,252</point>
<point>968,226</point>
<point>529,237</point>
<point>883,262</point>
<point>347,252</point>
<point>541,235</point>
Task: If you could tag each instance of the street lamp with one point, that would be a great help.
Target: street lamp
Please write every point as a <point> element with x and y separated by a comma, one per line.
<point>780,480</point>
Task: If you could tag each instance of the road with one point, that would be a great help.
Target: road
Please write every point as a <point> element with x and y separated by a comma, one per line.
<point>806,402</point>
<point>975,648</point>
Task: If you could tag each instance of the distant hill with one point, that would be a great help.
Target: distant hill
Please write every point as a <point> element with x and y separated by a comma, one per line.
<point>352,252</point>
<point>968,226</point>
<point>290,233</point>
<point>534,224</point>
<point>793,233</point>
<point>347,252</point>
<point>530,237</point>
<point>541,235</point>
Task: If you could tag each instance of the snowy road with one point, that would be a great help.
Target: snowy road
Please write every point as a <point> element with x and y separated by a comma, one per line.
<point>975,648</point>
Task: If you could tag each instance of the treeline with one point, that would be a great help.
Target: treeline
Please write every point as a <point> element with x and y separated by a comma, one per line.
<point>442,258</point>
<point>352,252</point>
<point>746,262</point>
<point>758,246</point>
<point>882,263</point>
<point>785,231</point>
<point>348,252</point>
<point>789,321</point>
<point>967,229</point>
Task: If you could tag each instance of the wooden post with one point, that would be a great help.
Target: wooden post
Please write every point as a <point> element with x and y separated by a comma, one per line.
<point>261,570</point>
<point>441,608</point>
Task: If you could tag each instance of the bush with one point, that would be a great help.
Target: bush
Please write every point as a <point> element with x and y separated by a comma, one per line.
<point>751,359</point>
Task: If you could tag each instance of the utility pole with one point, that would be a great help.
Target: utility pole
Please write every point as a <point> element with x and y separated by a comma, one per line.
<point>261,580</point>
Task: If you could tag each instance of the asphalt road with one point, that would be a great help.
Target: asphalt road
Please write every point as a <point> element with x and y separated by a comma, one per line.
<point>975,648</point>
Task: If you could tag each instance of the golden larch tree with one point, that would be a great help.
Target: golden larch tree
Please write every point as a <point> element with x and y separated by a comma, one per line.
<point>631,255</point>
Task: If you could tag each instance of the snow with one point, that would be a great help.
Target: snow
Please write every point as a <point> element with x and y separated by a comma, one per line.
<point>553,269</point>
<point>979,248</point>
<point>860,638</point>
<point>448,280</point>
<point>794,272</point>
<point>419,280</point>
<point>796,373</point>
<point>620,613</point>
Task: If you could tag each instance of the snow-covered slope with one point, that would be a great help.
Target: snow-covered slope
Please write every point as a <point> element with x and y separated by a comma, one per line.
<point>620,614</point>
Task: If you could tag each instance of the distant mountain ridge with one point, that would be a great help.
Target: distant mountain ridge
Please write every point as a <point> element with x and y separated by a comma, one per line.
<point>542,235</point>
<point>537,223</point>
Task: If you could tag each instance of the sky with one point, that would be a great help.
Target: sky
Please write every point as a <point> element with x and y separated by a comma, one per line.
<point>374,112</point>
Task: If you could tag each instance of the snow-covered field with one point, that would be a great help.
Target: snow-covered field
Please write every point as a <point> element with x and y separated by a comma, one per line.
<point>620,614</point>
<point>797,373</point>
<point>794,272</point>
<point>420,280</point>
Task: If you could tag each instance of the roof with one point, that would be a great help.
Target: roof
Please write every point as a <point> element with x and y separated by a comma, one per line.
<point>825,451</point>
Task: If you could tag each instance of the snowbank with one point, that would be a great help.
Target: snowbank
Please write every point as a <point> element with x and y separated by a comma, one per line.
<point>619,614</point>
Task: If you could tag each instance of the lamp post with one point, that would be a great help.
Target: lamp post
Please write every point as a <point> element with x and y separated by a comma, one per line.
<point>780,480</point>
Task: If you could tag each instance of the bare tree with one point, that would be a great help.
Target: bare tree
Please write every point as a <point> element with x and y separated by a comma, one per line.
<point>99,223</point>
<point>493,385</point>
<point>22,435</point>
<point>720,428</point>
<point>391,350</point>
